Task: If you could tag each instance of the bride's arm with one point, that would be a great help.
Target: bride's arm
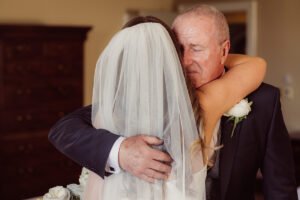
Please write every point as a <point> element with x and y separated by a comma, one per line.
<point>244,75</point>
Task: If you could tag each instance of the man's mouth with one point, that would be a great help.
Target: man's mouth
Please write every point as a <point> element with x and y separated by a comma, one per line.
<point>191,71</point>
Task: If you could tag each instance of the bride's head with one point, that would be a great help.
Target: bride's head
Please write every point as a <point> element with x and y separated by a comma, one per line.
<point>150,19</point>
<point>137,76</point>
<point>139,88</point>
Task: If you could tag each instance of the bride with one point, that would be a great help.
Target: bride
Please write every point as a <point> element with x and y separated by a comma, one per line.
<point>139,87</point>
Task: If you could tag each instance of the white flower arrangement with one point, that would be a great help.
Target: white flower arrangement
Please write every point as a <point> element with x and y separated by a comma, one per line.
<point>57,193</point>
<point>77,190</point>
<point>72,192</point>
<point>83,176</point>
<point>239,112</point>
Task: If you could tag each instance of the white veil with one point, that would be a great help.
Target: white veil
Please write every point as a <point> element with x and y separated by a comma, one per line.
<point>139,88</point>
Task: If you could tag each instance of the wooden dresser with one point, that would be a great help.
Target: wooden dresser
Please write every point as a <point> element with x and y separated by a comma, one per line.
<point>41,80</point>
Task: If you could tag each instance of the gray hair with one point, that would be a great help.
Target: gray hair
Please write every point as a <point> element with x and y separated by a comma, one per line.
<point>213,13</point>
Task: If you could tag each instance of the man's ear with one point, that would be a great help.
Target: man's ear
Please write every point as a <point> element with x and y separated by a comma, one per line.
<point>225,46</point>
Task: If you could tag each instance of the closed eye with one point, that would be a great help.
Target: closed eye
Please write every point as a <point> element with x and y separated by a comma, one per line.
<point>196,49</point>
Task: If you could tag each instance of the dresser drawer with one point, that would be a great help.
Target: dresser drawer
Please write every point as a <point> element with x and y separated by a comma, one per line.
<point>42,94</point>
<point>63,68</point>
<point>15,68</point>
<point>35,165</point>
<point>36,69</point>
<point>31,158</point>
<point>33,119</point>
<point>63,49</point>
<point>25,147</point>
<point>41,172</point>
<point>22,49</point>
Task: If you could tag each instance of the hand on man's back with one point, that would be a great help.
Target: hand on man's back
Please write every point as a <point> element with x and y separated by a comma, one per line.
<point>141,160</point>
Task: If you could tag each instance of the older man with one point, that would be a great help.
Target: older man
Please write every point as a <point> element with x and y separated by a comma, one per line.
<point>260,142</point>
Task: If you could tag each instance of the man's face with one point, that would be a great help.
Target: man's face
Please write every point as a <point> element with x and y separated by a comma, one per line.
<point>200,47</point>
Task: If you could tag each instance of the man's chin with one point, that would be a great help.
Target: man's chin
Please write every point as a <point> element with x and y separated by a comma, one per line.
<point>196,81</point>
<point>198,85</point>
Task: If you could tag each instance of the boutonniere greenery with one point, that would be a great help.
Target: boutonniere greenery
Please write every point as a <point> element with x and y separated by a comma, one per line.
<point>239,112</point>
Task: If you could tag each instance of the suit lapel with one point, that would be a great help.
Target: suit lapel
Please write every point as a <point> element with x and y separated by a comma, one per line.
<point>228,153</point>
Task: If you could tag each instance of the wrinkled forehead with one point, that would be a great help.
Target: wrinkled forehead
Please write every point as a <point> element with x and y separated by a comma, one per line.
<point>194,29</point>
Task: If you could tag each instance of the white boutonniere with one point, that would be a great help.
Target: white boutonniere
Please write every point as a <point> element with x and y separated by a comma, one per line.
<point>239,112</point>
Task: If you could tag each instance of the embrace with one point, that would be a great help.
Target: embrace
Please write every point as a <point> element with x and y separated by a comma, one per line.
<point>156,129</point>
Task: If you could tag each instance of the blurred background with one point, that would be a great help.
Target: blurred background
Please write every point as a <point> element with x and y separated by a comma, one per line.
<point>48,51</point>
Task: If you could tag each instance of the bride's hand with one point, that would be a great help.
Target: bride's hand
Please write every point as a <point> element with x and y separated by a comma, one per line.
<point>137,157</point>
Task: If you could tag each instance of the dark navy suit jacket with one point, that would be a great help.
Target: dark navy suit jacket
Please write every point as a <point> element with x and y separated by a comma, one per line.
<point>260,142</point>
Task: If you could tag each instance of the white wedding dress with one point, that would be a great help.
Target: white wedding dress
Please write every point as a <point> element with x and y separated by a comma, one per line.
<point>139,88</point>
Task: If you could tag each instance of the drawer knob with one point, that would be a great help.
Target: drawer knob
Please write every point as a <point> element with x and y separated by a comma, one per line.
<point>21,171</point>
<point>30,170</point>
<point>61,67</point>
<point>19,118</point>
<point>28,117</point>
<point>28,91</point>
<point>20,47</point>
<point>21,148</point>
<point>61,114</point>
<point>19,91</point>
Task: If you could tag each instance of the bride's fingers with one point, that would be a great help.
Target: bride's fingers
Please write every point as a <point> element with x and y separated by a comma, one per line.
<point>160,167</point>
<point>155,174</point>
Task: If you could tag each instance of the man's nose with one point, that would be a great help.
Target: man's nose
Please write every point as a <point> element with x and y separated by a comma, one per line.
<point>187,60</point>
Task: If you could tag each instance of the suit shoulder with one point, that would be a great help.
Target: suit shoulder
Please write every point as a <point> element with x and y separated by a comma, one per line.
<point>265,98</point>
<point>265,87</point>
<point>265,91</point>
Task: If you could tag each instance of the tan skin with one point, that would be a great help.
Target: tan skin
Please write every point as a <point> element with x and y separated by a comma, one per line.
<point>244,76</point>
<point>204,66</point>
